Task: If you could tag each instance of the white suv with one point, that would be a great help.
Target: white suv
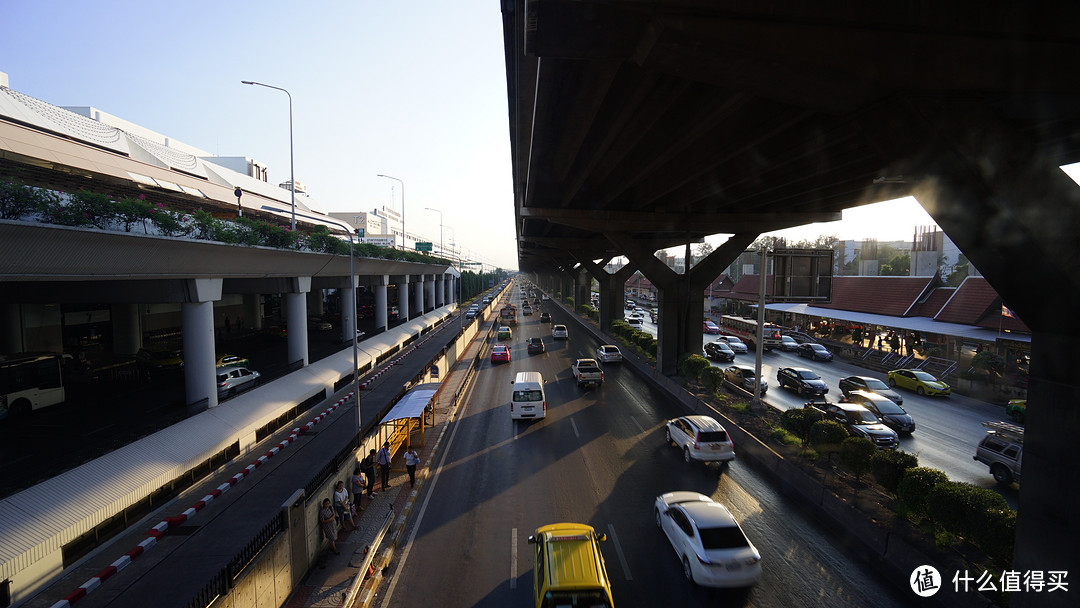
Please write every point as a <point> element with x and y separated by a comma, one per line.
<point>700,438</point>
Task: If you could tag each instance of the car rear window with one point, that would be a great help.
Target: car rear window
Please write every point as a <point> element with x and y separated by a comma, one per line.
<point>712,436</point>
<point>728,537</point>
<point>528,395</point>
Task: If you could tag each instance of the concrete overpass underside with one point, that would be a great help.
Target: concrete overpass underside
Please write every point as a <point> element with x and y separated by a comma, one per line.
<point>647,125</point>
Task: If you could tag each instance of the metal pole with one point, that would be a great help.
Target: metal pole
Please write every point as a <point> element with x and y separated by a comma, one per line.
<point>442,250</point>
<point>760,346</point>
<point>404,239</point>
<point>292,165</point>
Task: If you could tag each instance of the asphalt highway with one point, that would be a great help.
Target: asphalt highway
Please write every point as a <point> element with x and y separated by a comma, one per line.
<point>599,458</point>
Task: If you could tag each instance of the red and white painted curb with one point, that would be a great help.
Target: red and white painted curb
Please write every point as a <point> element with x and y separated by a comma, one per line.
<point>159,530</point>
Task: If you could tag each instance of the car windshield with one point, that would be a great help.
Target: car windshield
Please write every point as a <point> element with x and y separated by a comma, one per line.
<point>499,349</point>
<point>863,417</point>
<point>728,537</point>
<point>528,395</point>
<point>733,340</point>
<point>888,407</point>
<point>875,384</point>
<point>808,375</point>
<point>817,347</point>
<point>925,377</point>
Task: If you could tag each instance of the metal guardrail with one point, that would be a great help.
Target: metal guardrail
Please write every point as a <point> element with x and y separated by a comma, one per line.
<point>361,575</point>
<point>221,582</point>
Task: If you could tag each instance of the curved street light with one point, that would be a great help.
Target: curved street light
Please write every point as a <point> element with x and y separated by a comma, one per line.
<point>404,244</point>
<point>442,250</point>
<point>292,166</point>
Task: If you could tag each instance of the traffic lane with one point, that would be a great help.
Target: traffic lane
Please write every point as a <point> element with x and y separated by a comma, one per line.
<point>600,458</point>
<point>801,564</point>
<point>484,498</point>
<point>947,429</point>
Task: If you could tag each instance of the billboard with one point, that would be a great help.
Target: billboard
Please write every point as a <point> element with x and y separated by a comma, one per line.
<point>802,275</point>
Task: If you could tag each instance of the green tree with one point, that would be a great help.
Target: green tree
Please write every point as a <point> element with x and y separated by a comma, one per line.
<point>17,199</point>
<point>959,272</point>
<point>897,266</point>
<point>855,453</point>
<point>826,436</point>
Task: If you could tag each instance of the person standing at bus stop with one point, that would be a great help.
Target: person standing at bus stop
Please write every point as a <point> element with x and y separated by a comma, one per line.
<point>411,460</point>
<point>383,460</point>
<point>367,465</point>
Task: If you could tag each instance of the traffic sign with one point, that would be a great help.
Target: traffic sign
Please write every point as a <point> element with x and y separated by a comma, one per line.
<point>423,246</point>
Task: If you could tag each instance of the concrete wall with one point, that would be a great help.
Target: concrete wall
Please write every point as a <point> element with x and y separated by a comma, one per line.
<point>271,578</point>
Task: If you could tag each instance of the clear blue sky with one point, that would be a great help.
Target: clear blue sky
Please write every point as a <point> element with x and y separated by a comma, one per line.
<point>416,90</point>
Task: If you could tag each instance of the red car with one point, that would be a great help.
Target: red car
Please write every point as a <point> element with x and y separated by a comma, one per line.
<point>709,327</point>
<point>500,353</point>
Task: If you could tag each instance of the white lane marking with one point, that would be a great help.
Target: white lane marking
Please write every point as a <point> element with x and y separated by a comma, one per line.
<point>430,491</point>
<point>637,424</point>
<point>618,551</point>
<point>576,433</point>
<point>513,558</point>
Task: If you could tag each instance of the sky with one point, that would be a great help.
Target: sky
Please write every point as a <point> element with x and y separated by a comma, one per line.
<point>416,90</point>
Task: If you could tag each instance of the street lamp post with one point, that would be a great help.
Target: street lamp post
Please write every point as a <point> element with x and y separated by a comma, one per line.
<point>442,250</point>
<point>404,244</point>
<point>355,328</point>
<point>292,166</point>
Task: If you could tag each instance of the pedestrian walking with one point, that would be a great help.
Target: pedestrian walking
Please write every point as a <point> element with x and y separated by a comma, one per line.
<point>358,488</point>
<point>367,465</point>
<point>328,524</point>
<point>411,460</point>
<point>383,460</point>
<point>342,506</point>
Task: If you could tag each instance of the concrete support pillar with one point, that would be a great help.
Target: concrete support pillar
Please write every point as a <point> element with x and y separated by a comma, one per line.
<point>379,290</point>
<point>611,289</point>
<point>419,289</point>
<point>680,295</point>
<point>440,290</point>
<point>582,281</point>
<point>429,292</point>
<point>11,334</point>
<point>197,318</point>
<point>253,317</point>
<point>404,312</point>
<point>126,328</point>
<point>348,309</point>
<point>296,318</point>
<point>199,354</point>
<point>315,304</point>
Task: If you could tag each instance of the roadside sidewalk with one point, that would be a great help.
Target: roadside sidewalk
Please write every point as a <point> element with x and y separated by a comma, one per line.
<point>328,583</point>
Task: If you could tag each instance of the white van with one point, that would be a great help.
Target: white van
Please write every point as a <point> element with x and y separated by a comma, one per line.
<point>528,399</point>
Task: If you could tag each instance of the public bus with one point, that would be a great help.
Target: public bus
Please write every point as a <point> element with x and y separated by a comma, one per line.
<point>30,381</point>
<point>746,330</point>
<point>508,315</point>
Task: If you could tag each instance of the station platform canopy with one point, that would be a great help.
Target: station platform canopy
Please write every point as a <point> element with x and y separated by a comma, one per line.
<point>919,324</point>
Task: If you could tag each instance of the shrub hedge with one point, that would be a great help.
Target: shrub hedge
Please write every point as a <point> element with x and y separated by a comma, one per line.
<point>915,487</point>
<point>888,466</point>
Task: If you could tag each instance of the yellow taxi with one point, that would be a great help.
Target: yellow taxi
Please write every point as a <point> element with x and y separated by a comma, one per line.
<point>568,568</point>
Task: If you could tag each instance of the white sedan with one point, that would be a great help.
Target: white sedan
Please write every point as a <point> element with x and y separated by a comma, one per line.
<point>708,541</point>
<point>609,353</point>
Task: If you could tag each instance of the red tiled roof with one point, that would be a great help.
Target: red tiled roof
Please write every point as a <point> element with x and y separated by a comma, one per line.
<point>748,285</point>
<point>932,305</point>
<point>877,295</point>
<point>977,303</point>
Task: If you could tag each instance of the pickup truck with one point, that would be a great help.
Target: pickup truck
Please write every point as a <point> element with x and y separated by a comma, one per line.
<point>587,372</point>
